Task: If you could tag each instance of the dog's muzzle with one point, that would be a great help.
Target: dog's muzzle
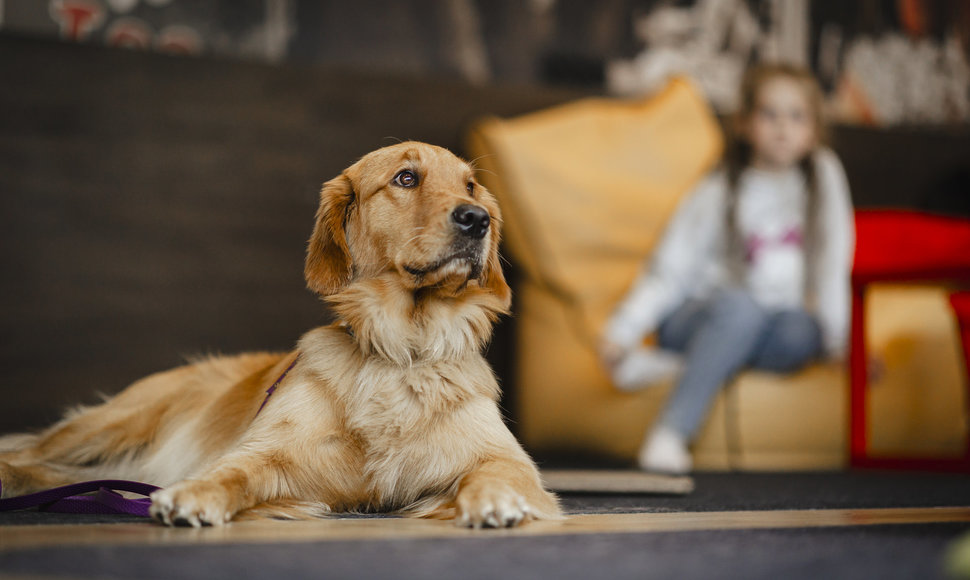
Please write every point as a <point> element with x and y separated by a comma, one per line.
<point>471,225</point>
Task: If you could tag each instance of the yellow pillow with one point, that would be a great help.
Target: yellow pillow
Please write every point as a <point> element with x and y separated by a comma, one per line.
<point>586,188</point>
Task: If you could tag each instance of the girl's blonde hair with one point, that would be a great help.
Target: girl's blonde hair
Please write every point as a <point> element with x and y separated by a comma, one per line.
<point>737,156</point>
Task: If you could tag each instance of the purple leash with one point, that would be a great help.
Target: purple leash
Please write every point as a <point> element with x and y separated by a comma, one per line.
<point>66,499</point>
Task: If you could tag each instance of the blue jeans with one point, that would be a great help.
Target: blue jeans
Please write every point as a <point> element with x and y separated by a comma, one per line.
<point>723,335</point>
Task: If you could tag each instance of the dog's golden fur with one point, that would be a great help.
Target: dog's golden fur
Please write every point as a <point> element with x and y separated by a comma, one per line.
<point>392,408</point>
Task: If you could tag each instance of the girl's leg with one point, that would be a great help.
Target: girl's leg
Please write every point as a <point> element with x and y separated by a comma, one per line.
<point>791,340</point>
<point>723,343</point>
<point>717,341</point>
<point>677,329</point>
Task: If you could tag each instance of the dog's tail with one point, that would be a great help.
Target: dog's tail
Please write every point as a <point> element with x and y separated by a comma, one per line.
<point>16,442</point>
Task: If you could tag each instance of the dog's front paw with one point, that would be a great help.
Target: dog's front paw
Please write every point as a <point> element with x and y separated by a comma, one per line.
<point>492,506</point>
<point>191,503</point>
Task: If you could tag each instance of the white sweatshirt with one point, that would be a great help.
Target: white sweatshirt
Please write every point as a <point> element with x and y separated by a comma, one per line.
<point>690,261</point>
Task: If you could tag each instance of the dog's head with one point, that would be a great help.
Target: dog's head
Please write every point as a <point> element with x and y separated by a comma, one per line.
<point>412,209</point>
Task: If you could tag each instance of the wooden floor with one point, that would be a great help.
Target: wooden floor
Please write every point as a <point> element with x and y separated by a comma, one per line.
<point>26,537</point>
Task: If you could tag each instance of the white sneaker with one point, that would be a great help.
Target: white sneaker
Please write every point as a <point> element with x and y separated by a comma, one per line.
<point>665,451</point>
<point>645,367</point>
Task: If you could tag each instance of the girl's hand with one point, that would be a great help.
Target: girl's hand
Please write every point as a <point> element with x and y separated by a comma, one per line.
<point>875,368</point>
<point>611,353</point>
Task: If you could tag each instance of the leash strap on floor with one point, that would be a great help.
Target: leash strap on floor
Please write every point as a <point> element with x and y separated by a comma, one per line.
<point>103,499</point>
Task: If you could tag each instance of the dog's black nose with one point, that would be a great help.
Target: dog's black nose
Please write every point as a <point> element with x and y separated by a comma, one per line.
<point>472,220</point>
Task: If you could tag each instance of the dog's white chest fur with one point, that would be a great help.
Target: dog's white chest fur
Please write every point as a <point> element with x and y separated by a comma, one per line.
<point>418,426</point>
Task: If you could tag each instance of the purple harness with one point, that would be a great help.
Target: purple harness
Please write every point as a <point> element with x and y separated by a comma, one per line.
<point>103,495</point>
<point>272,389</point>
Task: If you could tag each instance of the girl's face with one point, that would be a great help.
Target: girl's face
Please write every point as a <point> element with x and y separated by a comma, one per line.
<point>781,129</point>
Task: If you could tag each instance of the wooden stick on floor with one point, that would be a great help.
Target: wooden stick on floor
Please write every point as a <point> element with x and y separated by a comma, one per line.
<point>605,481</point>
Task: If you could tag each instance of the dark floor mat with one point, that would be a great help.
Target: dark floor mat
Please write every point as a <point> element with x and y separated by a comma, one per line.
<point>885,552</point>
<point>790,491</point>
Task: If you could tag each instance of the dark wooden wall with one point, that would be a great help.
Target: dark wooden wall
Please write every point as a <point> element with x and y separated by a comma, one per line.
<point>154,208</point>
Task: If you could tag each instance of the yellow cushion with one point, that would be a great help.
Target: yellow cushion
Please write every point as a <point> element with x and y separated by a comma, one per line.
<point>586,188</point>
<point>789,422</point>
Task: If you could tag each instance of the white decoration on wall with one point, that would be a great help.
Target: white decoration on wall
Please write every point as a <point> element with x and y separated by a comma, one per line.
<point>956,77</point>
<point>787,39</point>
<point>270,40</point>
<point>280,27</point>
<point>463,37</point>
<point>178,39</point>
<point>77,19</point>
<point>895,80</point>
<point>711,42</point>
<point>122,6</point>
<point>128,32</point>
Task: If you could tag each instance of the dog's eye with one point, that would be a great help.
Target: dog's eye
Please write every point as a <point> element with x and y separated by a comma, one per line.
<point>406,178</point>
<point>470,187</point>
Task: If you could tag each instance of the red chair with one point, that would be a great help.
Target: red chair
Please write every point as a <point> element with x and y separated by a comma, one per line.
<point>904,246</point>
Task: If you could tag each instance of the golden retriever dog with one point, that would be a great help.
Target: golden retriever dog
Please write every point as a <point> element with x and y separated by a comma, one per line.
<point>390,409</point>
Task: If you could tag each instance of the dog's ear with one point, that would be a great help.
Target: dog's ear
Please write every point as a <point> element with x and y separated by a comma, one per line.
<point>328,265</point>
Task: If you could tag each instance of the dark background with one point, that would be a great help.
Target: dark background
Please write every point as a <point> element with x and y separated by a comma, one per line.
<point>534,42</point>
